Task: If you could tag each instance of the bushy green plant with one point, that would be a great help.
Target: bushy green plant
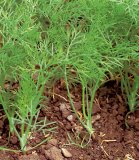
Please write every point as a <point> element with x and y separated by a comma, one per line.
<point>90,37</point>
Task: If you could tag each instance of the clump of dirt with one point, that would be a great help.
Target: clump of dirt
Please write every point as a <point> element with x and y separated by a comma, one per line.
<point>111,139</point>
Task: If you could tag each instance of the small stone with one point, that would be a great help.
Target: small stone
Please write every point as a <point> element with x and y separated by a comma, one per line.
<point>66,153</point>
<point>95,118</point>
<point>53,154</point>
<point>62,106</point>
<point>64,109</point>
<point>70,118</point>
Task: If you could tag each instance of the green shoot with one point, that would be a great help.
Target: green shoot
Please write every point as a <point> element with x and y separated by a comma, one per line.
<point>130,86</point>
<point>86,109</point>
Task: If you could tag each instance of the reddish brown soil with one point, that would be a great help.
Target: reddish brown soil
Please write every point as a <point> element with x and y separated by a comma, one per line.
<point>111,139</point>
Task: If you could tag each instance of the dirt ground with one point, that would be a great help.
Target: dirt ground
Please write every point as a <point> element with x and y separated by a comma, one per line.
<point>112,140</point>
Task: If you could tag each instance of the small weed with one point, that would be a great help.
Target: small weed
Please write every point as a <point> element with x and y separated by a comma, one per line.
<point>130,86</point>
<point>24,107</point>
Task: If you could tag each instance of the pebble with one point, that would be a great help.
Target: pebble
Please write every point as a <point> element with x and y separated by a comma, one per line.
<point>95,118</point>
<point>53,153</point>
<point>70,118</point>
<point>62,106</point>
<point>66,153</point>
<point>64,109</point>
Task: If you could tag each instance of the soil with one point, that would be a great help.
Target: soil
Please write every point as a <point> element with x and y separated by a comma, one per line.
<point>112,140</point>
